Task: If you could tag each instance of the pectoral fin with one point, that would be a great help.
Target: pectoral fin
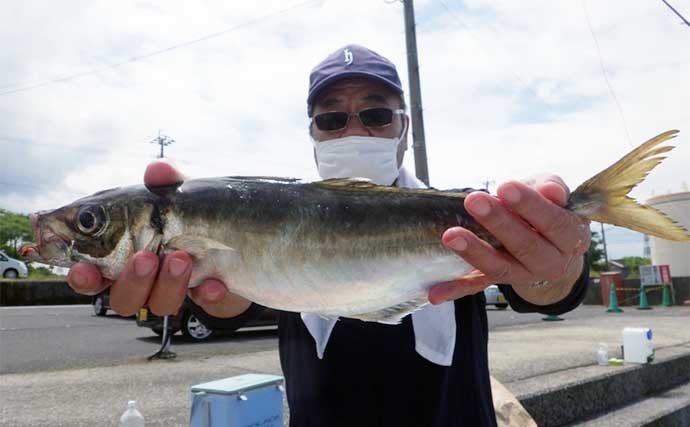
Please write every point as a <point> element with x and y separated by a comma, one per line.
<point>212,259</point>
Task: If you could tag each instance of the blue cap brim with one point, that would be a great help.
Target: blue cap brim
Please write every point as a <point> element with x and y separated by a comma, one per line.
<point>316,90</point>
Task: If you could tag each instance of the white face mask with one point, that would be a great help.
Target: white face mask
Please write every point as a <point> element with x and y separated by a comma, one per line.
<point>359,157</point>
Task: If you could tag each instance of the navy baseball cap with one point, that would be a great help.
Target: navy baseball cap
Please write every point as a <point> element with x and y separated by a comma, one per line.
<point>353,61</point>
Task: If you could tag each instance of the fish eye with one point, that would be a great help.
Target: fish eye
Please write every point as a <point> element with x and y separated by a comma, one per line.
<point>91,220</point>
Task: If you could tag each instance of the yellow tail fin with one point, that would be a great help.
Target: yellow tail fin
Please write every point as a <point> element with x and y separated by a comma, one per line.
<point>604,197</point>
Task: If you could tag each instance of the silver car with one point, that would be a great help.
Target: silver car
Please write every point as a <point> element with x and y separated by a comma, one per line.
<point>495,297</point>
<point>11,268</point>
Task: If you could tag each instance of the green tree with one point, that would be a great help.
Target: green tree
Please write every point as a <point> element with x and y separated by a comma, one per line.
<point>40,272</point>
<point>633,264</point>
<point>14,229</point>
<point>596,253</point>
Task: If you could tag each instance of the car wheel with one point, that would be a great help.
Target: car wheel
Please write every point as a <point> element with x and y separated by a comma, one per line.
<point>99,307</point>
<point>193,328</point>
<point>10,274</point>
<point>501,306</point>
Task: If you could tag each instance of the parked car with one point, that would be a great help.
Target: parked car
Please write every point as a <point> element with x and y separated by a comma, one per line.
<point>11,268</point>
<point>101,303</point>
<point>495,297</point>
<point>194,329</point>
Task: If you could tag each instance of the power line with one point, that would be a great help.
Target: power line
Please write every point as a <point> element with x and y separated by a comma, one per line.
<point>69,77</point>
<point>606,77</point>
<point>677,13</point>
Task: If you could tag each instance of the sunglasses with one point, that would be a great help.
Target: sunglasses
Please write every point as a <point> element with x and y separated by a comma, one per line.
<point>371,117</point>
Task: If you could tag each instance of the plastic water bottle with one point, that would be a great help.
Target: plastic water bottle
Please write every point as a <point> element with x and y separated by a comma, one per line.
<point>603,354</point>
<point>132,417</point>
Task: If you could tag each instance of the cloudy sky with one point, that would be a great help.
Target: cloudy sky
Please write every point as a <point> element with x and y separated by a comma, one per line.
<point>509,89</point>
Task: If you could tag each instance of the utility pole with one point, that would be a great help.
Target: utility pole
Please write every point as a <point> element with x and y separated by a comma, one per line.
<point>166,337</point>
<point>603,240</point>
<point>418,140</point>
<point>163,141</point>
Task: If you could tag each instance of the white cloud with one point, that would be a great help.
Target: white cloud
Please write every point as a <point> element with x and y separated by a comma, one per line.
<point>509,88</point>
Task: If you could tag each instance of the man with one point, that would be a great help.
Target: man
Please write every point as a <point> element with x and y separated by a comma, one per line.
<point>432,369</point>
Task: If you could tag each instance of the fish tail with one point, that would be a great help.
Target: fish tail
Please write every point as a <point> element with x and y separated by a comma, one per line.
<point>604,197</point>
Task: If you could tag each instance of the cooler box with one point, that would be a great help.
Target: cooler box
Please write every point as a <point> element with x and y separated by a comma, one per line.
<point>244,400</point>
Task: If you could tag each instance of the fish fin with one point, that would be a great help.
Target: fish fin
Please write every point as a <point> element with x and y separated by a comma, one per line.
<point>393,315</point>
<point>277,179</point>
<point>195,245</point>
<point>363,184</point>
<point>604,197</point>
<point>210,257</point>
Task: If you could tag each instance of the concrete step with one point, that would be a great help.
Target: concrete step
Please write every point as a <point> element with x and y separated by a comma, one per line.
<point>571,395</point>
<point>668,409</point>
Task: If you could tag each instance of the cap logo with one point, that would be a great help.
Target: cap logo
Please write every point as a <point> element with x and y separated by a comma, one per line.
<point>348,56</point>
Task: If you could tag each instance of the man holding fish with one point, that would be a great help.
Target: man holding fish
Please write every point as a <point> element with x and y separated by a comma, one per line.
<point>431,369</point>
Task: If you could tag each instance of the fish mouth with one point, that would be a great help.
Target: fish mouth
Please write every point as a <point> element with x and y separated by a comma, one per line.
<point>49,246</point>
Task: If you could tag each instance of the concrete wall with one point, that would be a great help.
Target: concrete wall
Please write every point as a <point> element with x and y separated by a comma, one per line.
<point>680,284</point>
<point>54,292</point>
<point>33,292</point>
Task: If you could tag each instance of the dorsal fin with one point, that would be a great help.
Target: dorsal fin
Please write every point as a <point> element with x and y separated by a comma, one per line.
<point>361,184</point>
<point>277,179</point>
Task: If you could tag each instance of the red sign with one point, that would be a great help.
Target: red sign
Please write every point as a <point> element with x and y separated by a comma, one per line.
<point>665,273</point>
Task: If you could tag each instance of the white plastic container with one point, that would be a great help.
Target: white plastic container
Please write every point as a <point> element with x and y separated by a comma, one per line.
<point>637,345</point>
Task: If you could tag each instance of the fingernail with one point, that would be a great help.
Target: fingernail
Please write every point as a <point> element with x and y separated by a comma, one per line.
<point>143,266</point>
<point>78,280</point>
<point>458,244</point>
<point>480,207</point>
<point>511,194</point>
<point>177,267</point>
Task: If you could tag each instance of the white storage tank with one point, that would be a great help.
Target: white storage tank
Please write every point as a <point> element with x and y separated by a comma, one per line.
<point>675,254</point>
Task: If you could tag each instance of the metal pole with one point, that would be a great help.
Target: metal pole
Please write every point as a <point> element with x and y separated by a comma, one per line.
<point>166,340</point>
<point>603,240</point>
<point>418,140</point>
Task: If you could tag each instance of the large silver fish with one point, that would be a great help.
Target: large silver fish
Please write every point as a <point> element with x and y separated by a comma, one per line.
<point>337,247</point>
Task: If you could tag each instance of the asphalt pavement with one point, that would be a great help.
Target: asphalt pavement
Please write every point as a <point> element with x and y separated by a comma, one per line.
<point>43,338</point>
<point>97,395</point>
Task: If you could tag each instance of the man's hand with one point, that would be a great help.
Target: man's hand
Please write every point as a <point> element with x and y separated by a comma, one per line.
<point>162,284</point>
<point>541,241</point>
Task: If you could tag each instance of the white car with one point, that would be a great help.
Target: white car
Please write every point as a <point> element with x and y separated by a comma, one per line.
<point>495,297</point>
<point>11,268</point>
